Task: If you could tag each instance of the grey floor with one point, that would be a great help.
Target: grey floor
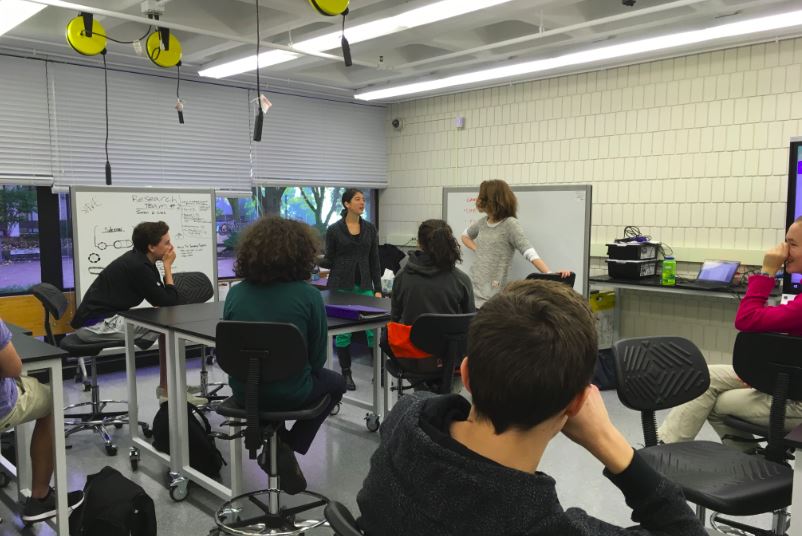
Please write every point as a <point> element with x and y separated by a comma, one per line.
<point>335,466</point>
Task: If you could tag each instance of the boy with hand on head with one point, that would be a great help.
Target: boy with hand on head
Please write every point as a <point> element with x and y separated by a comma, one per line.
<point>445,466</point>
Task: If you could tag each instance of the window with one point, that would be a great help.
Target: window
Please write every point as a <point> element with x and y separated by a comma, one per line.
<point>19,238</point>
<point>65,232</point>
<point>319,206</point>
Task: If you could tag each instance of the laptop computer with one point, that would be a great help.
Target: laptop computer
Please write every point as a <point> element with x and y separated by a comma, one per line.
<point>714,274</point>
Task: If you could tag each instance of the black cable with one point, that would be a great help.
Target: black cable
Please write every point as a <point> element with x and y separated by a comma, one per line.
<point>260,115</point>
<point>106,86</point>
<point>83,32</point>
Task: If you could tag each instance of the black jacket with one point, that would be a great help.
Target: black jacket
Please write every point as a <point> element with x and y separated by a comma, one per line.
<point>123,284</point>
<point>345,254</point>
<point>420,287</point>
<point>423,482</point>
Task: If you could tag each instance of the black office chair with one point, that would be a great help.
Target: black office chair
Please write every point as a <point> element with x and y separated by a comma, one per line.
<point>256,353</point>
<point>97,418</point>
<point>554,277</point>
<point>768,362</point>
<point>340,520</point>
<point>662,372</point>
<point>443,336</point>
<point>196,287</point>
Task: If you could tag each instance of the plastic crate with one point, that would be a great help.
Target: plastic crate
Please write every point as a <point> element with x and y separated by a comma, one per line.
<point>623,269</point>
<point>633,251</point>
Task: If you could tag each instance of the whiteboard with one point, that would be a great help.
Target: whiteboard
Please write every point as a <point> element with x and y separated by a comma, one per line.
<point>104,218</point>
<point>555,219</point>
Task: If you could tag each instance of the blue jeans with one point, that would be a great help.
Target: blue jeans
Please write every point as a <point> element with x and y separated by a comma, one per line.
<point>324,382</point>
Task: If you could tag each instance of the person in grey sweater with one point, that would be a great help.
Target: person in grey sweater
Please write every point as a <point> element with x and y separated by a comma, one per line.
<point>446,467</point>
<point>495,238</point>
<point>352,254</point>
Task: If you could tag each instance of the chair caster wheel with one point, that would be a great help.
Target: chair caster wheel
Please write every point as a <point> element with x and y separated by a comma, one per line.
<point>111,450</point>
<point>372,422</point>
<point>335,410</point>
<point>118,425</point>
<point>5,480</point>
<point>87,387</point>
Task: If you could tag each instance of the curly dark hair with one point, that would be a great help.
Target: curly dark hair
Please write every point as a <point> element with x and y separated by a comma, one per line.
<point>274,249</point>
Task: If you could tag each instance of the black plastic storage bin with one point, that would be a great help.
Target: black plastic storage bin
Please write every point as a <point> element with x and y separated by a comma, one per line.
<point>629,269</point>
<point>633,251</point>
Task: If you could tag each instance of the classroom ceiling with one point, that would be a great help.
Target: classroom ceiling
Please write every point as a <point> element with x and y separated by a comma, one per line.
<point>216,31</point>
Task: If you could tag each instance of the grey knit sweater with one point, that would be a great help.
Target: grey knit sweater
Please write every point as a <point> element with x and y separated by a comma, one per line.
<point>346,253</point>
<point>496,243</point>
<point>423,482</point>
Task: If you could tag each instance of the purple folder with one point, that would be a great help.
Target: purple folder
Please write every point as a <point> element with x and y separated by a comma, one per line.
<point>353,312</point>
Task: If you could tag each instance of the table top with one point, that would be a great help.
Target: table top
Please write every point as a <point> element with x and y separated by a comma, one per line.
<point>201,319</point>
<point>654,283</point>
<point>18,330</point>
<point>32,350</point>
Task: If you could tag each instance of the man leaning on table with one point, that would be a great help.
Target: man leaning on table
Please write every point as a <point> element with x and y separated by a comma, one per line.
<point>24,399</point>
<point>124,284</point>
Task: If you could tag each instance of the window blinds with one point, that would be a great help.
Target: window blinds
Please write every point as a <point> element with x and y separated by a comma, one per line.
<point>309,141</point>
<point>24,130</point>
<point>147,145</point>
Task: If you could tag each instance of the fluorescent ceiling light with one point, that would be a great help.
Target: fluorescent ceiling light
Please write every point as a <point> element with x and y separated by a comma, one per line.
<point>15,12</point>
<point>445,9</point>
<point>750,26</point>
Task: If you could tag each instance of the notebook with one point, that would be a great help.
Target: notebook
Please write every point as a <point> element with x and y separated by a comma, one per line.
<point>715,274</point>
<point>354,312</point>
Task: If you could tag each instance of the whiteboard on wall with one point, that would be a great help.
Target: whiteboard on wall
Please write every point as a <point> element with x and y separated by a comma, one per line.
<point>104,218</point>
<point>555,219</point>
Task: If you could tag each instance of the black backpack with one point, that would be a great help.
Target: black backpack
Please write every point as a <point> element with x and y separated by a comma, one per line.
<point>203,453</point>
<point>113,506</point>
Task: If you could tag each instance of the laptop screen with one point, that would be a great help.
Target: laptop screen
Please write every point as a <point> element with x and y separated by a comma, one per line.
<point>721,271</point>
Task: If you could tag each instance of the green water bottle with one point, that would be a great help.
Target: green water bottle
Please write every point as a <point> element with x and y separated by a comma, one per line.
<point>669,276</point>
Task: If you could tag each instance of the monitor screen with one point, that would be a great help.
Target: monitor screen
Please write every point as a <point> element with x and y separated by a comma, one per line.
<point>792,283</point>
<point>722,271</point>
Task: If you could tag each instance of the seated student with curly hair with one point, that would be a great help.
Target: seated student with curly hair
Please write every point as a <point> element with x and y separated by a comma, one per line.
<point>275,258</point>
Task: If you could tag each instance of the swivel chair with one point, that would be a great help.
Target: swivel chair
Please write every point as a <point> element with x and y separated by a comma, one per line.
<point>340,520</point>
<point>196,287</point>
<point>554,277</point>
<point>768,362</point>
<point>255,353</point>
<point>662,372</point>
<point>97,418</point>
<point>445,337</point>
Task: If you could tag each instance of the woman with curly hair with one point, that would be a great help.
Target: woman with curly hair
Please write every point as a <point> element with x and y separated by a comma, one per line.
<point>352,253</point>
<point>275,258</point>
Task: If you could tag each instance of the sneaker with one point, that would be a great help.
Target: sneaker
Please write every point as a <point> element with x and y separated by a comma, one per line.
<point>161,394</point>
<point>290,477</point>
<point>41,509</point>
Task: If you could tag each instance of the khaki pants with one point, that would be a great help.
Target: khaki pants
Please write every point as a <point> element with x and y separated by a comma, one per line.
<point>727,395</point>
<point>33,402</point>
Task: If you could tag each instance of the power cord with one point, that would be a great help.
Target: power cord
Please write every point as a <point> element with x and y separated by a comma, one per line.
<point>83,32</point>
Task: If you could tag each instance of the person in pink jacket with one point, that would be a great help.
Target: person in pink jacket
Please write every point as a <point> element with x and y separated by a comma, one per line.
<point>727,394</point>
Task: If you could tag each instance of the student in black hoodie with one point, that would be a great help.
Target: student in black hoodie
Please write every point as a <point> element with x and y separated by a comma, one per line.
<point>430,282</point>
<point>446,467</point>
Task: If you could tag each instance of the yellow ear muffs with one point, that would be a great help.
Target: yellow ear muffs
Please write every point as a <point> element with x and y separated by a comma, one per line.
<point>163,57</point>
<point>330,8</point>
<point>88,45</point>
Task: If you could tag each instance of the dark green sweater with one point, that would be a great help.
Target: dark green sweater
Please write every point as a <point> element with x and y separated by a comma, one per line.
<point>298,303</point>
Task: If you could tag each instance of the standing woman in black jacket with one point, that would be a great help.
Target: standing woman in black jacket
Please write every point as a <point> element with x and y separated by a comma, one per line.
<point>352,253</point>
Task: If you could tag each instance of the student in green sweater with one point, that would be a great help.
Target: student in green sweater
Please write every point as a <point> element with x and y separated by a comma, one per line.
<point>275,258</point>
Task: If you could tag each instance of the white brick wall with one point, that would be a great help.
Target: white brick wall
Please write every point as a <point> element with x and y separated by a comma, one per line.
<point>693,150</point>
